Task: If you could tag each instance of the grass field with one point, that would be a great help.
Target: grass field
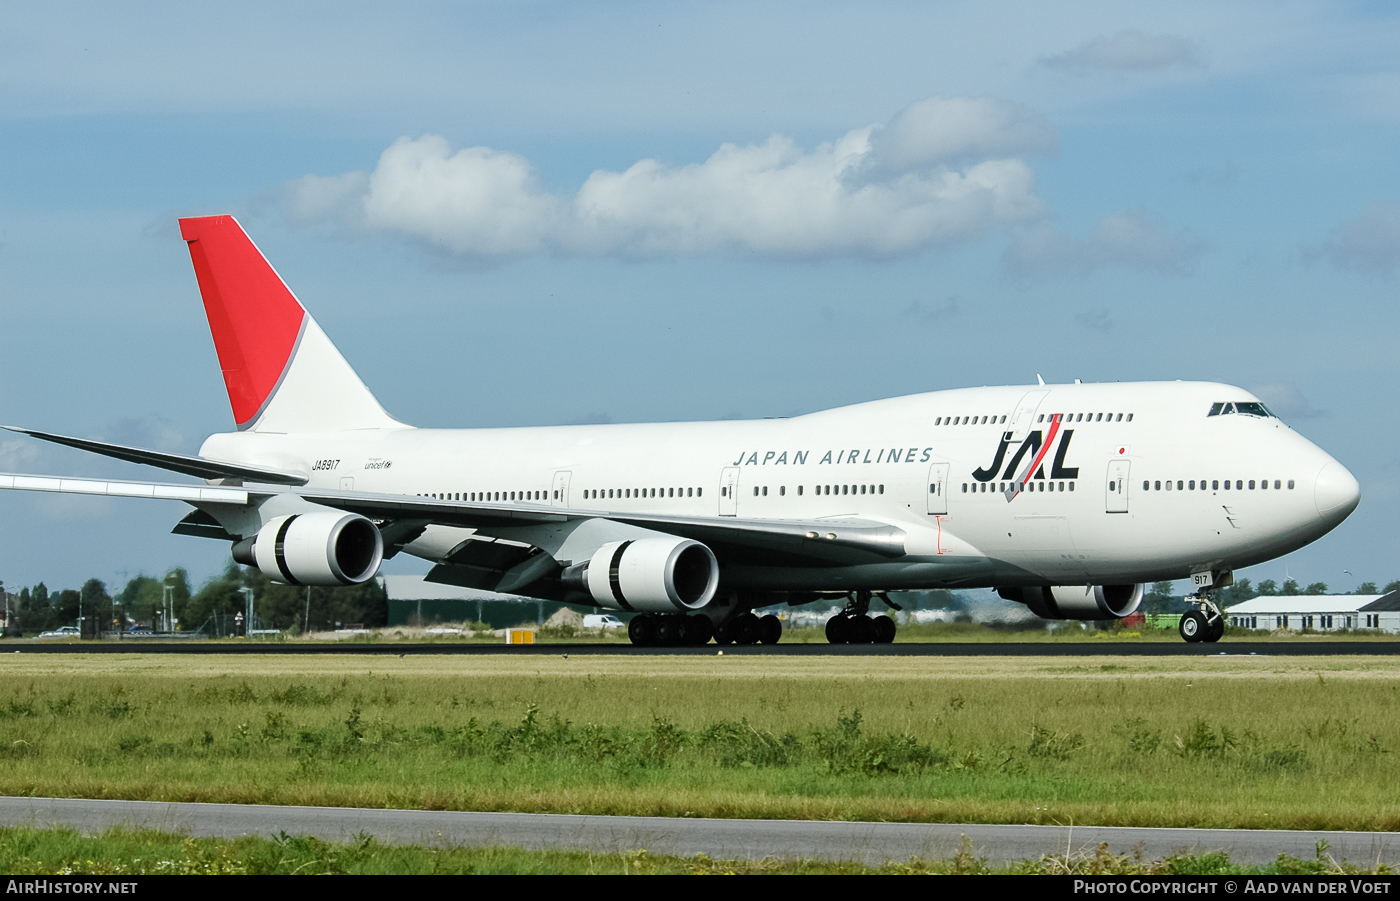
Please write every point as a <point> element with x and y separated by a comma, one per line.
<point>1217,741</point>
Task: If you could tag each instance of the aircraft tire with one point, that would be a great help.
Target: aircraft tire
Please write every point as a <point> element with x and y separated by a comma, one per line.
<point>838,629</point>
<point>862,630</point>
<point>746,629</point>
<point>724,633</point>
<point>642,630</point>
<point>884,630</point>
<point>1215,631</point>
<point>1193,626</point>
<point>770,629</point>
<point>667,631</point>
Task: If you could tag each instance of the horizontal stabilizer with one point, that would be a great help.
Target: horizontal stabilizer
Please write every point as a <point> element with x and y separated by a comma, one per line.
<point>190,466</point>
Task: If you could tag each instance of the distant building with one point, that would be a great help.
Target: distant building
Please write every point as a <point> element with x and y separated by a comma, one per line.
<point>413,601</point>
<point>1321,613</point>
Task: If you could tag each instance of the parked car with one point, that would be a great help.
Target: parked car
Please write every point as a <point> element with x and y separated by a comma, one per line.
<point>602,621</point>
<point>62,632</point>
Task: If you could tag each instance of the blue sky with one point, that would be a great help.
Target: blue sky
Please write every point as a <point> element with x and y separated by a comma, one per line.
<point>697,211</point>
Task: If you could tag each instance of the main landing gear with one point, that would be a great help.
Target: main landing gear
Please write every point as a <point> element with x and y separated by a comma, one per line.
<point>1206,623</point>
<point>665,630</point>
<point>853,625</point>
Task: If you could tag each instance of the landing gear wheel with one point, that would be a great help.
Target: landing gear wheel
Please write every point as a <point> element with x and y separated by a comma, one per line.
<point>667,631</point>
<point>1215,631</point>
<point>884,630</point>
<point>862,630</point>
<point>770,629</point>
<point>1193,626</point>
<point>724,633</point>
<point>746,629</point>
<point>642,630</point>
<point>699,629</point>
<point>838,629</point>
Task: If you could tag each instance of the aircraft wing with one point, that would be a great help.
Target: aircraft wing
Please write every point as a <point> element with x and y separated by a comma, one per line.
<point>845,540</point>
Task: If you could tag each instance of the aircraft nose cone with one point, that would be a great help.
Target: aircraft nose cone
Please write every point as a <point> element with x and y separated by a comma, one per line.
<point>1337,493</point>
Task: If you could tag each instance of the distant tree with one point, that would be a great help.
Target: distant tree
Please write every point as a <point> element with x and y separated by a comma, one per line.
<point>220,595</point>
<point>1160,599</point>
<point>1316,588</point>
<point>140,599</point>
<point>66,605</point>
<point>1367,588</point>
<point>1392,586</point>
<point>1268,588</point>
<point>1290,588</point>
<point>35,612</point>
<point>1237,593</point>
<point>96,607</point>
<point>179,582</point>
<point>144,596</point>
<point>280,606</point>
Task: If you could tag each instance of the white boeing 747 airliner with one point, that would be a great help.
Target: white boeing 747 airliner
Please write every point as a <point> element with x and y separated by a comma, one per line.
<point>1065,498</point>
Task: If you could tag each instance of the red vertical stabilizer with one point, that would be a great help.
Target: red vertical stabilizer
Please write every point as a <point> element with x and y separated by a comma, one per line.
<point>253,315</point>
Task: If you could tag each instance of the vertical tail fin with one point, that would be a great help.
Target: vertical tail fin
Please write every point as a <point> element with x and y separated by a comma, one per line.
<point>281,371</point>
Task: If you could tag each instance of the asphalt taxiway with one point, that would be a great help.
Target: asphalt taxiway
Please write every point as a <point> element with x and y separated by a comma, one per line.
<point>911,649</point>
<point>869,843</point>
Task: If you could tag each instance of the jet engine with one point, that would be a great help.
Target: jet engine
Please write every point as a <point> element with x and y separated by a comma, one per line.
<point>1077,601</point>
<point>322,548</point>
<point>659,575</point>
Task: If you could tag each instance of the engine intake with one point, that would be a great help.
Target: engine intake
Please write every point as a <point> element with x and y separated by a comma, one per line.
<point>659,575</point>
<point>322,548</point>
<point>1077,601</point>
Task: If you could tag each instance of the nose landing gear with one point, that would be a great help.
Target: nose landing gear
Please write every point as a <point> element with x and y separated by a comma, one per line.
<point>1206,623</point>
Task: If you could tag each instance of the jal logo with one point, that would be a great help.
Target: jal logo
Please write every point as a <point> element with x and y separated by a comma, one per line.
<point>1032,452</point>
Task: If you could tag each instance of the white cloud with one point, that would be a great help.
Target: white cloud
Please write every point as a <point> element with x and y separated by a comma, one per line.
<point>940,172</point>
<point>1130,239</point>
<point>1126,51</point>
<point>939,131</point>
<point>1371,241</point>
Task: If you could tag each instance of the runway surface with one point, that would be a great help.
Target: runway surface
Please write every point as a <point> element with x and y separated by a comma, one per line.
<point>870,843</point>
<point>931,649</point>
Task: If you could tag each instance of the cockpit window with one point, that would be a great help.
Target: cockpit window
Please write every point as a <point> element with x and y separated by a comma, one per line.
<point>1249,408</point>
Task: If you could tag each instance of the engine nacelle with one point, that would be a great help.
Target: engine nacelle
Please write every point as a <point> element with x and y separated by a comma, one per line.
<point>1077,601</point>
<point>322,548</point>
<point>658,575</point>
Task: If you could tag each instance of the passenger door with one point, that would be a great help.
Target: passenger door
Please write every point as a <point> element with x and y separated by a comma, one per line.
<point>729,491</point>
<point>559,494</point>
<point>1024,417</point>
<point>938,488</point>
<point>1116,487</point>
